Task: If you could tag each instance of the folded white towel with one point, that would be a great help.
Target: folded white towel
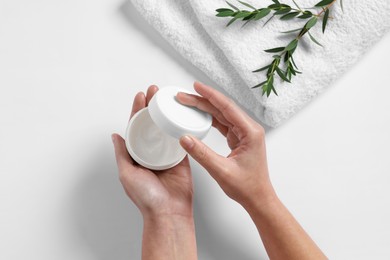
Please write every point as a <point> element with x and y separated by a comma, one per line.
<point>228,55</point>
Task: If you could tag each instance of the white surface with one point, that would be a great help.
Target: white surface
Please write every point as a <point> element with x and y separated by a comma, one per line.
<point>69,71</point>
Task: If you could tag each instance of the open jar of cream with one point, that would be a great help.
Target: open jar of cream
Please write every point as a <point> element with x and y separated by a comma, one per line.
<point>153,133</point>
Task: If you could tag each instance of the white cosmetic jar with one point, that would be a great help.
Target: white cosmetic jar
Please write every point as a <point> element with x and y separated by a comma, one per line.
<point>153,133</point>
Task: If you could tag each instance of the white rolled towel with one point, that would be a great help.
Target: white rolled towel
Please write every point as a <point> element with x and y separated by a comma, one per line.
<point>228,55</point>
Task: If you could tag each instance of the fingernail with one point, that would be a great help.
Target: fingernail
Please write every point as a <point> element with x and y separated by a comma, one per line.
<point>113,138</point>
<point>187,142</point>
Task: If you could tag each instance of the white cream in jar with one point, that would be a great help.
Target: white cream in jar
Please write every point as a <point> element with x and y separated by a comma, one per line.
<point>153,133</point>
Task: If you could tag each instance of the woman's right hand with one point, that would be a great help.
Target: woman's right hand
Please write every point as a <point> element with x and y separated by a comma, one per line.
<point>243,174</point>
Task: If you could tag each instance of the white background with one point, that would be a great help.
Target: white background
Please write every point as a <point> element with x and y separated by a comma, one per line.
<point>68,74</point>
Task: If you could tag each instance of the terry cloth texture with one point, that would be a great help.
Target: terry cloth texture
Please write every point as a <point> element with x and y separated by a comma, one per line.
<point>228,55</point>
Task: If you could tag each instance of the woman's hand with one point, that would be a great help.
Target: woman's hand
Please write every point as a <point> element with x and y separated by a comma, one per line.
<point>243,174</point>
<point>163,197</point>
<point>167,192</point>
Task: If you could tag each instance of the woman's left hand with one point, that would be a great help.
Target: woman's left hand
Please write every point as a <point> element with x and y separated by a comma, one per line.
<point>155,193</point>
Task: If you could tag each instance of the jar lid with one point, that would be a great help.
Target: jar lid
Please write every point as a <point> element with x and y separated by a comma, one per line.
<point>176,119</point>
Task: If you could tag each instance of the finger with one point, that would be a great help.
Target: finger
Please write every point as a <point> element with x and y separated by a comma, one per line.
<point>150,93</point>
<point>228,108</point>
<point>221,128</point>
<point>206,157</point>
<point>138,104</point>
<point>202,104</point>
<point>123,158</point>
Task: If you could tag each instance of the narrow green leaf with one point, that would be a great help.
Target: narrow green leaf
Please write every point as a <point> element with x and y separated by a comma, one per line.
<point>281,75</point>
<point>233,6</point>
<point>249,17</point>
<point>293,62</point>
<point>314,40</point>
<point>291,31</point>
<point>279,49</point>
<point>283,10</point>
<point>223,10</point>
<point>274,90</point>
<point>325,20</point>
<point>261,69</point>
<point>292,45</point>
<point>225,14</point>
<point>324,3</point>
<point>289,74</point>
<point>275,6</point>
<point>296,5</point>
<point>276,57</point>
<point>289,16</point>
<point>269,88</point>
<point>262,13</point>
<point>264,89</point>
<point>311,23</point>
<point>260,84</point>
<point>242,14</point>
<point>231,21</point>
<point>293,72</point>
<point>305,15</point>
<point>276,1</point>
<point>269,20</point>
<point>248,5</point>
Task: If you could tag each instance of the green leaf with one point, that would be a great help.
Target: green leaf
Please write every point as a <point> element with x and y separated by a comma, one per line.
<point>314,40</point>
<point>275,6</point>
<point>342,6</point>
<point>223,10</point>
<point>296,5</point>
<point>262,13</point>
<point>276,1</point>
<point>248,5</point>
<point>305,15</point>
<point>324,3</point>
<point>279,49</point>
<point>276,57</point>
<point>292,45</point>
<point>293,62</point>
<point>281,75</point>
<point>283,10</point>
<point>289,16</point>
<point>232,6</point>
<point>325,20</point>
<point>261,69</point>
<point>269,20</point>
<point>225,14</point>
<point>242,14</point>
<point>292,30</point>
<point>311,23</point>
<point>274,90</point>
<point>260,84</point>
<point>249,17</point>
<point>269,88</point>
<point>231,21</point>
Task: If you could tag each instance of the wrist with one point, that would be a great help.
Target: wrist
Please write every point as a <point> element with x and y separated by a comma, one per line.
<point>261,201</point>
<point>169,237</point>
<point>167,218</point>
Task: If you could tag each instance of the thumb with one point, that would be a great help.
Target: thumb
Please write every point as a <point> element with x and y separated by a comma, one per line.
<point>206,157</point>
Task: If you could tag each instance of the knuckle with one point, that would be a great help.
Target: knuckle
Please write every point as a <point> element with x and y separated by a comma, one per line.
<point>259,133</point>
<point>203,152</point>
